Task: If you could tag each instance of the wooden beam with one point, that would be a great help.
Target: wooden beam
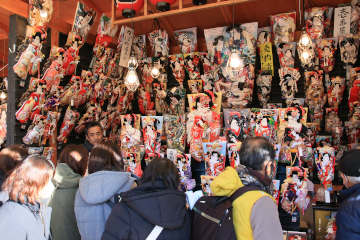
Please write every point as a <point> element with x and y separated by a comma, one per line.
<point>180,11</point>
<point>113,14</point>
<point>170,30</point>
<point>4,28</point>
<point>224,15</point>
<point>21,8</point>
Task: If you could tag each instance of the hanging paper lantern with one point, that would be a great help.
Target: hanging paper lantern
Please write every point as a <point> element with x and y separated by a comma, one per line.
<point>129,8</point>
<point>162,5</point>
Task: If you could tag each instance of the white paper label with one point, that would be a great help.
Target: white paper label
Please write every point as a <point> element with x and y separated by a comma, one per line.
<point>171,153</point>
<point>337,130</point>
<point>126,47</point>
<point>342,21</point>
<point>300,152</point>
<point>327,196</point>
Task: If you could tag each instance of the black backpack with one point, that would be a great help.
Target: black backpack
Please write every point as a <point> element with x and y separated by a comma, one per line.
<point>212,216</point>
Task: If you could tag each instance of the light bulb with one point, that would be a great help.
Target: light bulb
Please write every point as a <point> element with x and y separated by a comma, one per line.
<point>43,13</point>
<point>155,73</point>
<point>132,61</point>
<point>234,60</point>
<point>305,40</point>
<point>131,76</point>
<point>305,55</point>
<point>2,95</point>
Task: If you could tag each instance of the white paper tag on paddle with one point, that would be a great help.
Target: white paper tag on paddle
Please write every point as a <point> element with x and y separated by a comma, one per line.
<point>327,196</point>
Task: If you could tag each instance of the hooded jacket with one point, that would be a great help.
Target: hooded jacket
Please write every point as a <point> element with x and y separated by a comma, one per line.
<point>348,214</point>
<point>255,214</point>
<point>146,206</point>
<point>91,209</point>
<point>20,221</point>
<point>3,196</point>
<point>63,221</point>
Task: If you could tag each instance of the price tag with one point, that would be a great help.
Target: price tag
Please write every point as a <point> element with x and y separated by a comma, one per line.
<point>293,219</point>
<point>59,147</point>
<point>337,130</point>
<point>327,196</point>
<point>22,83</point>
<point>300,152</point>
<point>23,126</point>
<point>72,102</point>
<point>104,133</point>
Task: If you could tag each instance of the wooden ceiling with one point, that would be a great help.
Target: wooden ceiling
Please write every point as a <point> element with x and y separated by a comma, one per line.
<point>248,11</point>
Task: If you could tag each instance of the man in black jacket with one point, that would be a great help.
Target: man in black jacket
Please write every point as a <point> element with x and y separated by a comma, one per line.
<point>93,134</point>
<point>348,215</point>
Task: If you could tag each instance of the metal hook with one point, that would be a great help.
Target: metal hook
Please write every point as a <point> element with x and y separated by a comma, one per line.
<point>12,51</point>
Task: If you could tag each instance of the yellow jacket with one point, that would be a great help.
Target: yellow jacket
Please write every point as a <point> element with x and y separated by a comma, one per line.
<point>225,185</point>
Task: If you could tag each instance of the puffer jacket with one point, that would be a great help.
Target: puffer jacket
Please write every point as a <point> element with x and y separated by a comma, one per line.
<point>25,221</point>
<point>63,221</point>
<point>348,215</point>
<point>144,207</point>
<point>91,209</point>
<point>255,214</point>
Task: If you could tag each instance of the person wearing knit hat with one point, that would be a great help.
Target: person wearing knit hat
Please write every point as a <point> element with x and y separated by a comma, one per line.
<point>348,215</point>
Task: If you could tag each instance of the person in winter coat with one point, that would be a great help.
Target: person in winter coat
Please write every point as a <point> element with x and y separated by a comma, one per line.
<point>71,167</point>
<point>25,215</point>
<point>9,158</point>
<point>96,191</point>
<point>348,215</point>
<point>255,214</point>
<point>155,202</point>
<point>93,134</point>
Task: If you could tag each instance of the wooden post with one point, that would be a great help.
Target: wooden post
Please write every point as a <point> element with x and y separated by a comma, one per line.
<point>52,139</point>
<point>10,118</point>
<point>146,8</point>
<point>112,14</point>
<point>180,4</point>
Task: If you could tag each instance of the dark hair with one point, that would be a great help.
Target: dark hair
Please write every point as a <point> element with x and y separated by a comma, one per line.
<point>11,156</point>
<point>255,151</point>
<point>77,165</point>
<point>347,40</point>
<point>311,76</point>
<point>28,178</point>
<point>265,73</point>
<point>211,104</point>
<point>161,169</point>
<point>239,120</point>
<point>169,95</point>
<point>92,124</point>
<point>300,113</point>
<point>297,173</point>
<point>324,156</point>
<point>265,33</point>
<point>132,122</point>
<point>214,152</point>
<point>105,156</point>
<point>217,39</point>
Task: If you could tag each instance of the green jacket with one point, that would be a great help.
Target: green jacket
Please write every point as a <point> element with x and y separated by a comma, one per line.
<point>63,221</point>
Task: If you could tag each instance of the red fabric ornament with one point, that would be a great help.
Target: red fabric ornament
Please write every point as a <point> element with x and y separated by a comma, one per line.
<point>129,8</point>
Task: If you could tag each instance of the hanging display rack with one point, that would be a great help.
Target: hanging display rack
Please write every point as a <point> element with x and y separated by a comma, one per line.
<point>181,10</point>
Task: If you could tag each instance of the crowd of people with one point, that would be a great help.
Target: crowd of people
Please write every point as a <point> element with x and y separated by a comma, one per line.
<point>90,196</point>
